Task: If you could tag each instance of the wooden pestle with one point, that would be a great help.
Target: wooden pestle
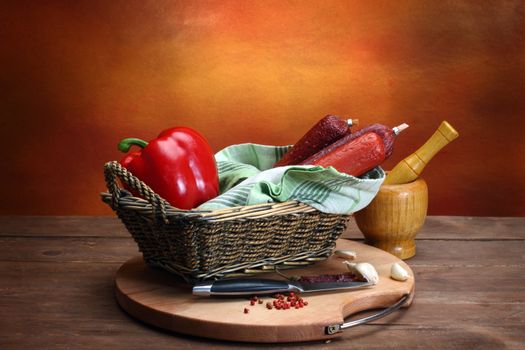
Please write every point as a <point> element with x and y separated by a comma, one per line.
<point>411,167</point>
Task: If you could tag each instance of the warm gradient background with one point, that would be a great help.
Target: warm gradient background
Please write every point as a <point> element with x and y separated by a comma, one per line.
<point>78,76</point>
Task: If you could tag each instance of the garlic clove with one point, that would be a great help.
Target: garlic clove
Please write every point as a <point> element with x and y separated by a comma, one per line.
<point>346,254</point>
<point>365,270</point>
<point>398,273</point>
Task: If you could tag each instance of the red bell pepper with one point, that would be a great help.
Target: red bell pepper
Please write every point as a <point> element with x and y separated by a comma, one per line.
<point>178,165</point>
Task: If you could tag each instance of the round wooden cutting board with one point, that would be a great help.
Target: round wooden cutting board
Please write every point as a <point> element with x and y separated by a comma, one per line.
<point>158,298</point>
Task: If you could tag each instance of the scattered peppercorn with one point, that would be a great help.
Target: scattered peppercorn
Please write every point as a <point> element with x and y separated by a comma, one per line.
<point>280,302</point>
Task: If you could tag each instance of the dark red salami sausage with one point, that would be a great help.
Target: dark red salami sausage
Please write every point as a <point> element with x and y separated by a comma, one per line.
<point>323,133</point>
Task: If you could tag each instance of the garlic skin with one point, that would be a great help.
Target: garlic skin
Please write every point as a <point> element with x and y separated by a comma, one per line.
<point>398,273</point>
<point>366,270</point>
<point>346,254</point>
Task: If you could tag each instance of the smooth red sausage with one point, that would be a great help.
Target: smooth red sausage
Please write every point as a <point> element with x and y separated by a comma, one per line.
<point>355,157</point>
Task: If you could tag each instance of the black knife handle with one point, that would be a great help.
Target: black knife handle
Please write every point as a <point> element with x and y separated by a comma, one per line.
<point>239,286</point>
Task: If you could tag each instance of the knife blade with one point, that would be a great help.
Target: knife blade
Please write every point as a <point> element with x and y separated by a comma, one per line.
<point>260,286</point>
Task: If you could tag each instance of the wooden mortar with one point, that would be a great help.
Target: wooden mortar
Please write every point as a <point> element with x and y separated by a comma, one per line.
<point>392,220</point>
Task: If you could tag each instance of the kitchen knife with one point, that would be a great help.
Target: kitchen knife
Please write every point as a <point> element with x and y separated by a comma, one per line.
<point>239,286</point>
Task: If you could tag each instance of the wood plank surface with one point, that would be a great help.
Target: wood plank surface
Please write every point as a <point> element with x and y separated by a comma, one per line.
<point>56,290</point>
<point>463,228</point>
<point>62,226</point>
<point>435,227</point>
<point>90,249</point>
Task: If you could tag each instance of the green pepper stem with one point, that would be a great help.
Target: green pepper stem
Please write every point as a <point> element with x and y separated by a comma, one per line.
<point>126,144</point>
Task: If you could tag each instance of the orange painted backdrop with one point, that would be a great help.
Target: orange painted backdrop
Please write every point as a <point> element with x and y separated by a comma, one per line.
<point>78,76</point>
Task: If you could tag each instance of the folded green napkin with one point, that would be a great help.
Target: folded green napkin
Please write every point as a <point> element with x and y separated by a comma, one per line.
<point>247,177</point>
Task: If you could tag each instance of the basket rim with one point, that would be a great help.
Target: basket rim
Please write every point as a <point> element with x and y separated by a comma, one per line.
<point>256,211</point>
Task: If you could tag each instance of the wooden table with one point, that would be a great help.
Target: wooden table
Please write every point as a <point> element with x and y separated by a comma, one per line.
<point>56,289</point>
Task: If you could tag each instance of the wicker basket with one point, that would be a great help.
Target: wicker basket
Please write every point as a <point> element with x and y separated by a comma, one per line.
<point>199,245</point>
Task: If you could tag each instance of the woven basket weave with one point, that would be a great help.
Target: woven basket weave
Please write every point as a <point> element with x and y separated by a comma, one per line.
<point>200,245</point>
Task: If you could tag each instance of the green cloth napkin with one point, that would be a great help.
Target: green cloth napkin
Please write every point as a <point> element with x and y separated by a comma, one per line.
<point>247,177</point>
